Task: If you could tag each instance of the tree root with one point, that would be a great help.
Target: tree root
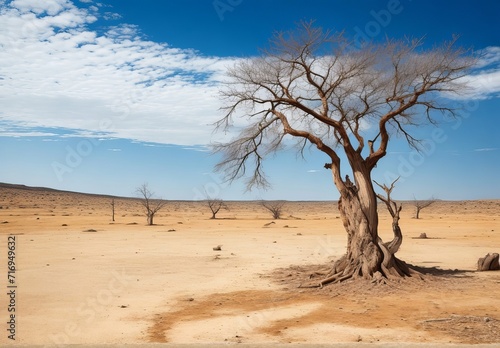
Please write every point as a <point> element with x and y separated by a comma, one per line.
<point>336,278</point>
<point>390,268</point>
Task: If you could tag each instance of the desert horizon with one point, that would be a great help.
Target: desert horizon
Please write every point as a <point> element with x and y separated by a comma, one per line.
<point>190,279</point>
<point>138,197</point>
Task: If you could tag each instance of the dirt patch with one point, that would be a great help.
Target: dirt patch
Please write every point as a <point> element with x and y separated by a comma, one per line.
<point>224,304</point>
<point>467,329</point>
<point>446,306</point>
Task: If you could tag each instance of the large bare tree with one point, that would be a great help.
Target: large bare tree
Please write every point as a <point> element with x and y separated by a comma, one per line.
<point>314,87</point>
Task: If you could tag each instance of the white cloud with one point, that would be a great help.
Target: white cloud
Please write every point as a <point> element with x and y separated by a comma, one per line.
<point>111,15</point>
<point>486,149</point>
<point>488,57</point>
<point>50,7</point>
<point>484,82</point>
<point>57,72</point>
<point>27,134</point>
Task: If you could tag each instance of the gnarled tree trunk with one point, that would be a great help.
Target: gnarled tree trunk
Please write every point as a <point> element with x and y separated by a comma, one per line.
<point>363,257</point>
<point>367,256</point>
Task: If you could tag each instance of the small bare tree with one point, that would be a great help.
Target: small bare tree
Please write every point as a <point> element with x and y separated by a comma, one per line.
<point>113,209</point>
<point>275,207</point>
<point>151,205</point>
<point>419,205</point>
<point>215,205</point>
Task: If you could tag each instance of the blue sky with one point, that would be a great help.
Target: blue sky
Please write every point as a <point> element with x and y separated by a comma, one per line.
<point>102,96</point>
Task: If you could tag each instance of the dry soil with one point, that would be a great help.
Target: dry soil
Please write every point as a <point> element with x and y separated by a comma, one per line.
<point>83,279</point>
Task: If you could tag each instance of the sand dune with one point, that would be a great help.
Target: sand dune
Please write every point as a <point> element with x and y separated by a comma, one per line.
<point>84,279</point>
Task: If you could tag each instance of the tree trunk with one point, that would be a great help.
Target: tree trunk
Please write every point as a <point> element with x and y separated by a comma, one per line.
<point>363,255</point>
<point>150,219</point>
<point>367,256</point>
<point>396,242</point>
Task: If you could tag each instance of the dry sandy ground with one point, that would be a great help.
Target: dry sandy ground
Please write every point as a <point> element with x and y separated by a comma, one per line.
<point>83,279</point>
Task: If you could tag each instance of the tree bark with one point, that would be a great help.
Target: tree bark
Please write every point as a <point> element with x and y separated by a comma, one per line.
<point>363,255</point>
<point>396,242</point>
<point>367,256</point>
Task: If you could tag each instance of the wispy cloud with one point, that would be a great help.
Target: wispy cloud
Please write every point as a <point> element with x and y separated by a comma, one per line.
<point>26,134</point>
<point>57,72</point>
<point>484,82</point>
<point>198,148</point>
<point>313,171</point>
<point>485,149</point>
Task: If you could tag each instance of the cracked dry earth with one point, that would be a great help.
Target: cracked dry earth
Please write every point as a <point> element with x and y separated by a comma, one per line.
<point>454,306</point>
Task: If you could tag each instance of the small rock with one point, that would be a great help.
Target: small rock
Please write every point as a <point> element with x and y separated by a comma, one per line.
<point>217,248</point>
<point>190,299</point>
<point>299,234</point>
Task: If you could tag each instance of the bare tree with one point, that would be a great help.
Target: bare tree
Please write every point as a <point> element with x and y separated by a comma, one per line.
<point>151,205</point>
<point>215,205</point>
<point>275,207</point>
<point>419,205</point>
<point>312,87</point>
<point>113,209</point>
<point>394,209</point>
